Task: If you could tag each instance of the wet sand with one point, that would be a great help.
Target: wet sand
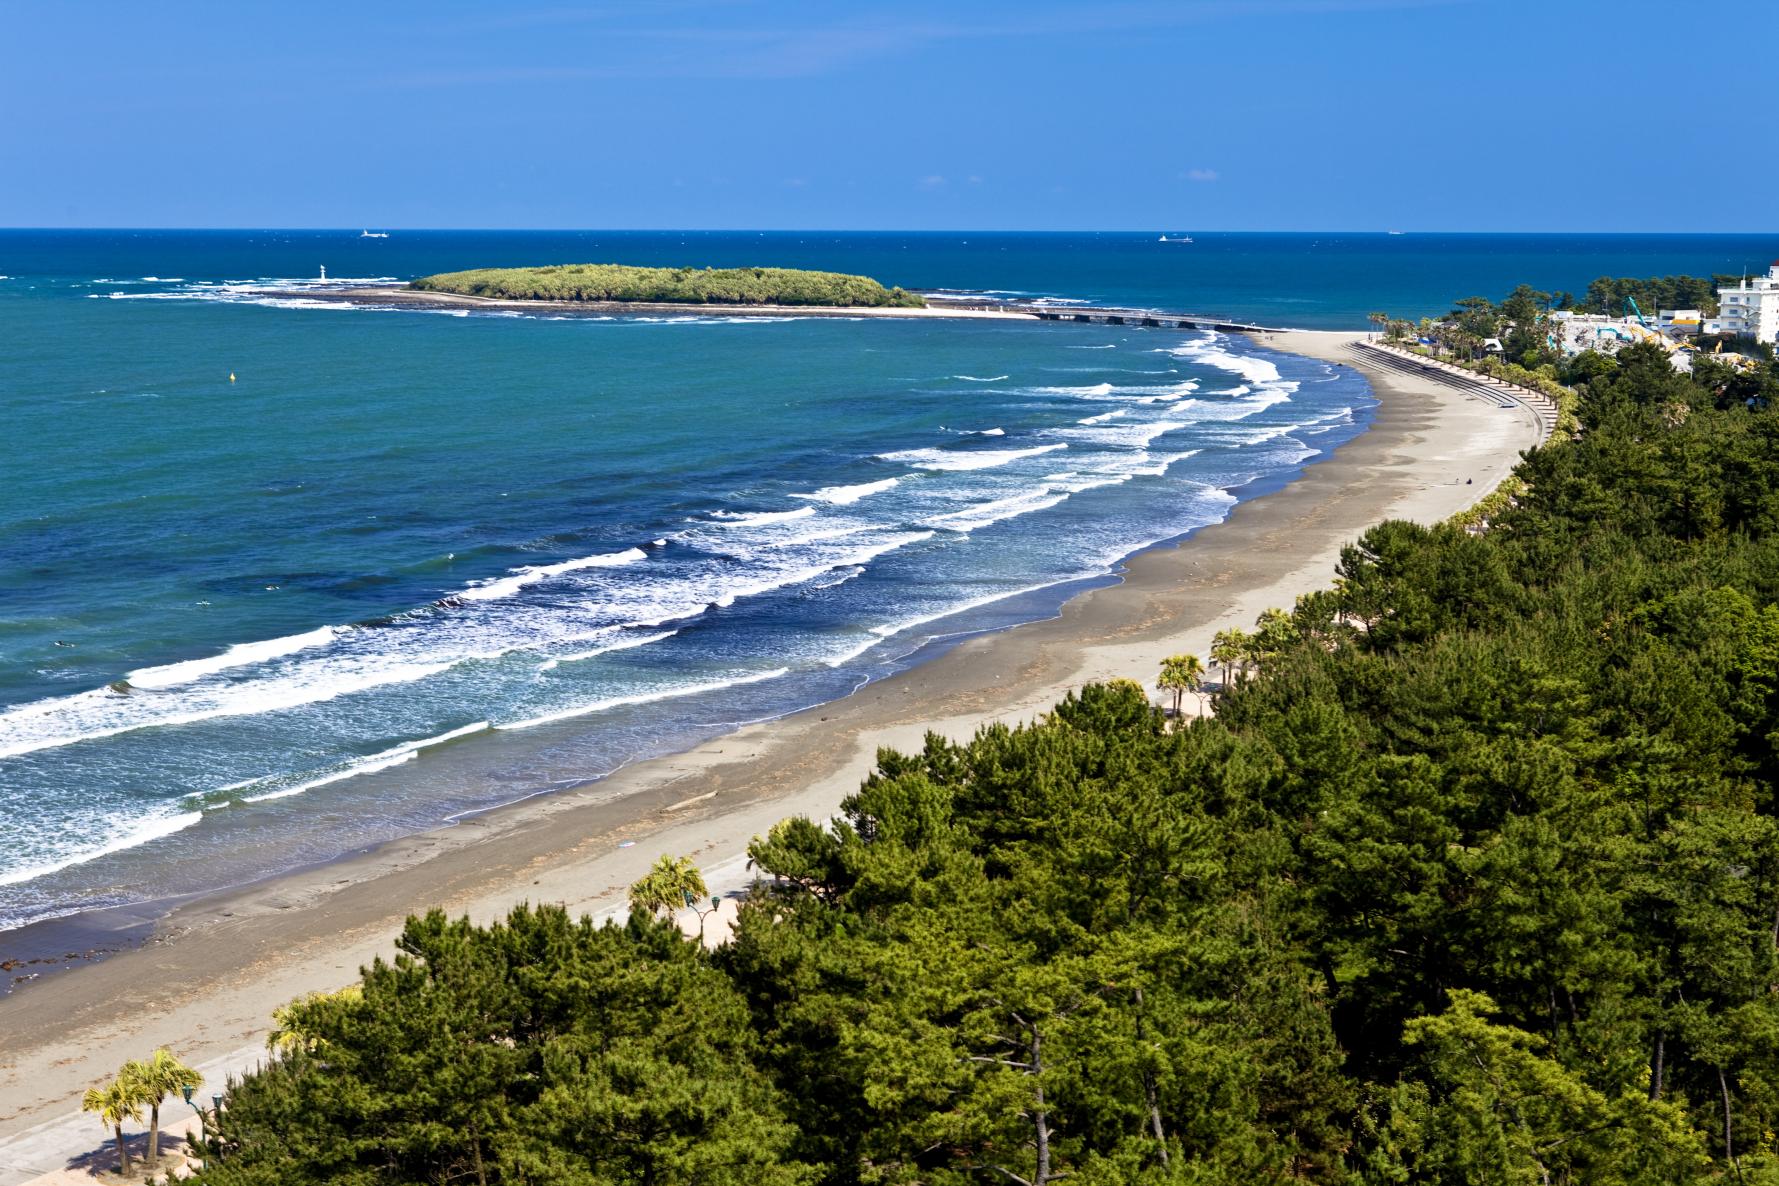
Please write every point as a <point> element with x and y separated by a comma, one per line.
<point>207,980</point>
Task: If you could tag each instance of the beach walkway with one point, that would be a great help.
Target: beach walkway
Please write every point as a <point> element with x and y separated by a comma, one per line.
<point>1487,388</point>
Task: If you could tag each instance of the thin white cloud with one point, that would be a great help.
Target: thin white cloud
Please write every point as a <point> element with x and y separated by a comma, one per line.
<point>1201,174</point>
<point>718,40</point>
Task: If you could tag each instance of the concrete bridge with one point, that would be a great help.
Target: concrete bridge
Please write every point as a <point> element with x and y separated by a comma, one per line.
<point>1099,314</point>
<point>1149,317</point>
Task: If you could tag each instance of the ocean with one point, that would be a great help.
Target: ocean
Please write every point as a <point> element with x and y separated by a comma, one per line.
<point>279,582</point>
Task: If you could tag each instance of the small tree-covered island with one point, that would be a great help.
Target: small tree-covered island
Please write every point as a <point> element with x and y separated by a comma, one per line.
<point>672,286</point>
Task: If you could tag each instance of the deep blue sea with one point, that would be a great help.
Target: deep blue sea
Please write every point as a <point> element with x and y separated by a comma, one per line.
<point>406,565</point>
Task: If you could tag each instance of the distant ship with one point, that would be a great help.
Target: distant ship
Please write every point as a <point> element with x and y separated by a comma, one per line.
<point>373,234</point>
<point>1395,232</point>
<point>1175,239</point>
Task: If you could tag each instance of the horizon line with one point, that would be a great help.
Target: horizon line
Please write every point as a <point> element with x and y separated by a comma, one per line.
<point>684,230</point>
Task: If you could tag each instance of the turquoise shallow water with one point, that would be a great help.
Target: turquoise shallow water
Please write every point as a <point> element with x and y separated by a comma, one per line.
<point>412,564</point>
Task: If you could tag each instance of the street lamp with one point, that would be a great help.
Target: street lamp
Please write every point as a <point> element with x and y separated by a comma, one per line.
<point>186,1089</point>
<point>716,904</point>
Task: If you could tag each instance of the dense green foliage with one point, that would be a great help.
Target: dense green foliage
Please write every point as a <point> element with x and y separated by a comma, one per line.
<point>1474,878</point>
<point>1608,294</point>
<point>679,286</point>
<point>1527,353</point>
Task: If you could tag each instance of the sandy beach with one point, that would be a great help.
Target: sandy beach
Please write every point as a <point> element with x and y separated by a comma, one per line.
<point>214,969</point>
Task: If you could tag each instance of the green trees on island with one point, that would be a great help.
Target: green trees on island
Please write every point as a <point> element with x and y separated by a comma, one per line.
<point>696,286</point>
<point>1473,878</point>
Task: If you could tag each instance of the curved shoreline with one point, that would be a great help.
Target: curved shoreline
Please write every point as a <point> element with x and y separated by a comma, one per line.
<point>236,955</point>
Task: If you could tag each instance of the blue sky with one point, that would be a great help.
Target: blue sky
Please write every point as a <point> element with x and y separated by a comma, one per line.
<point>1118,114</point>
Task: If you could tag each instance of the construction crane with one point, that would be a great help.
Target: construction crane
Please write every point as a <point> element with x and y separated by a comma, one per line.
<point>1631,304</point>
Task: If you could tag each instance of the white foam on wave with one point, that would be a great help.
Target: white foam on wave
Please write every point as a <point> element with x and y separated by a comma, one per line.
<point>994,511</point>
<point>840,529</point>
<point>751,554</point>
<point>1217,496</point>
<point>672,693</point>
<point>128,834</point>
<point>890,630</point>
<point>980,378</point>
<point>1081,485</point>
<point>407,751</point>
<point>1210,351</point>
<point>89,716</point>
<point>797,574</point>
<point>758,518</point>
<point>1136,436</point>
<point>841,496</point>
<point>1125,392</point>
<point>1207,410</point>
<point>531,574</point>
<point>708,319</point>
<point>239,655</point>
<point>853,652</point>
<point>622,644</point>
<point>940,459</point>
<point>839,578</point>
<point>1142,464</point>
<point>1260,436</point>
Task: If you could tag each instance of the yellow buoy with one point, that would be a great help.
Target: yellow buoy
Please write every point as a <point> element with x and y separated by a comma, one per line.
<point>231,376</point>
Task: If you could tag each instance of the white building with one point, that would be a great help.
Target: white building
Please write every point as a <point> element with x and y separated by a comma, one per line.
<point>1752,307</point>
<point>1680,323</point>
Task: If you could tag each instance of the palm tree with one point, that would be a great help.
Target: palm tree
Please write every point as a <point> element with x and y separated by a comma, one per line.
<point>1180,674</point>
<point>116,1102</point>
<point>1379,320</point>
<point>161,1076</point>
<point>672,882</point>
<point>1228,647</point>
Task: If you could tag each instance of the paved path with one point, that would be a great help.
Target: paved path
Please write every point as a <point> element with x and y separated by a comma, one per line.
<point>1485,387</point>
